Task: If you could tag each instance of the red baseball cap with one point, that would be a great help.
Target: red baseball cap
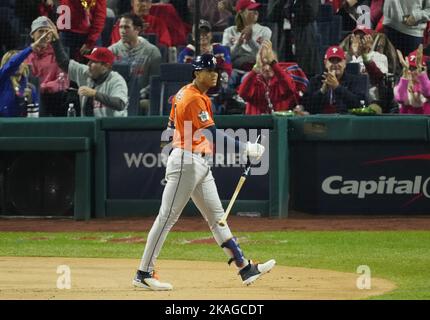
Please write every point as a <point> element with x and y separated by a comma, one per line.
<point>246,4</point>
<point>335,52</point>
<point>412,59</point>
<point>362,28</point>
<point>101,55</point>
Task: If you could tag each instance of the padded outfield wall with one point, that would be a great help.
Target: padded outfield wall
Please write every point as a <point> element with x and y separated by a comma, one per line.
<point>316,164</point>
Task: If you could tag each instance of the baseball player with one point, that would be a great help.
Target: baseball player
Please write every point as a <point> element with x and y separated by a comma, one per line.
<point>188,174</point>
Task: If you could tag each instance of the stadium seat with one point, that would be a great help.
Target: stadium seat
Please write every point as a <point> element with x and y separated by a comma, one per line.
<point>133,96</point>
<point>124,69</point>
<point>168,90</point>
<point>176,72</point>
<point>353,68</point>
<point>173,76</point>
<point>154,95</point>
<point>152,38</point>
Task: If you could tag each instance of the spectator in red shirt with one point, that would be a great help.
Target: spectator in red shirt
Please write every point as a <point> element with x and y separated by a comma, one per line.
<point>87,22</point>
<point>268,87</point>
<point>152,24</point>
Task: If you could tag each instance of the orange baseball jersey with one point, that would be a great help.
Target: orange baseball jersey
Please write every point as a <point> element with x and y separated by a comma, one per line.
<point>191,112</point>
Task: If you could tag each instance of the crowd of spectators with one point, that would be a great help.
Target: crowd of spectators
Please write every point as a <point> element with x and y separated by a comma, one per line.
<point>273,55</point>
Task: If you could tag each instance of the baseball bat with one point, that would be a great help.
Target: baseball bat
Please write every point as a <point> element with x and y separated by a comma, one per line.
<point>242,180</point>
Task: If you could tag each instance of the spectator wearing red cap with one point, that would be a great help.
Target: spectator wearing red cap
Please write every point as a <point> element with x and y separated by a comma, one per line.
<point>413,90</point>
<point>245,38</point>
<point>375,64</point>
<point>152,24</point>
<point>269,87</point>
<point>335,91</point>
<point>102,92</point>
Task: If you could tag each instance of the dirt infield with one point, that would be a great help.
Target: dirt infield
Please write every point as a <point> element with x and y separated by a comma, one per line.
<point>36,278</point>
<point>295,221</point>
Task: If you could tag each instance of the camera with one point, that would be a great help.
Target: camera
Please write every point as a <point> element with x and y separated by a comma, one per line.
<point>389,80</point>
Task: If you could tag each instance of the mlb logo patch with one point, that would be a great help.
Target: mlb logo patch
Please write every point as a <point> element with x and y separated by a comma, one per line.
<point>204,116</point>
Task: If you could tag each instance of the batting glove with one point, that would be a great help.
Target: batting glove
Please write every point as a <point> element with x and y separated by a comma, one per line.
<point>254,150</point>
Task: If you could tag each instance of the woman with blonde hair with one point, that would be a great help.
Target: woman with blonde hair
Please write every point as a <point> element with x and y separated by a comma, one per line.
<point>15,92</point>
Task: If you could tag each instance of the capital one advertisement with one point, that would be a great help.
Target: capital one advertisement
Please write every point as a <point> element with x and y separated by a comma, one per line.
<point>136,169</point>
<point>361,177</point>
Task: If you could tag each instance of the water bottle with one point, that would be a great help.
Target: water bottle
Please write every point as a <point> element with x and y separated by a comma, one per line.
<point>33,110</point>
<point>71,112</point>
<point>224,80</point>
<point>61,82</point>
<point>172,55</point>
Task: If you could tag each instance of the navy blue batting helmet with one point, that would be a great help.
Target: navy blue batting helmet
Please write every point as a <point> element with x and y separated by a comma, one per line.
<point>204,62</point>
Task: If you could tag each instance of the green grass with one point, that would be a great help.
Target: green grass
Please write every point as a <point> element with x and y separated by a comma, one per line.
<point>402,257</point>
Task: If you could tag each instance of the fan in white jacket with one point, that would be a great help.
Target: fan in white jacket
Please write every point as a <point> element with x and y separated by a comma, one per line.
<point>405,22</point>
<point>245,38</point>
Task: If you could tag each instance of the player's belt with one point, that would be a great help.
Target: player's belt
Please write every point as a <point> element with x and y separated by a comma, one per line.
<point>201,154</point>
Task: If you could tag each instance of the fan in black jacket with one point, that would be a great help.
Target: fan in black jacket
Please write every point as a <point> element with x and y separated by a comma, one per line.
<point>335,91</point>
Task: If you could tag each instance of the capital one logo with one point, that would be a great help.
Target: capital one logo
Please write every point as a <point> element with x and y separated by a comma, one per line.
<point>417,186</point>
<point>336,185</point>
